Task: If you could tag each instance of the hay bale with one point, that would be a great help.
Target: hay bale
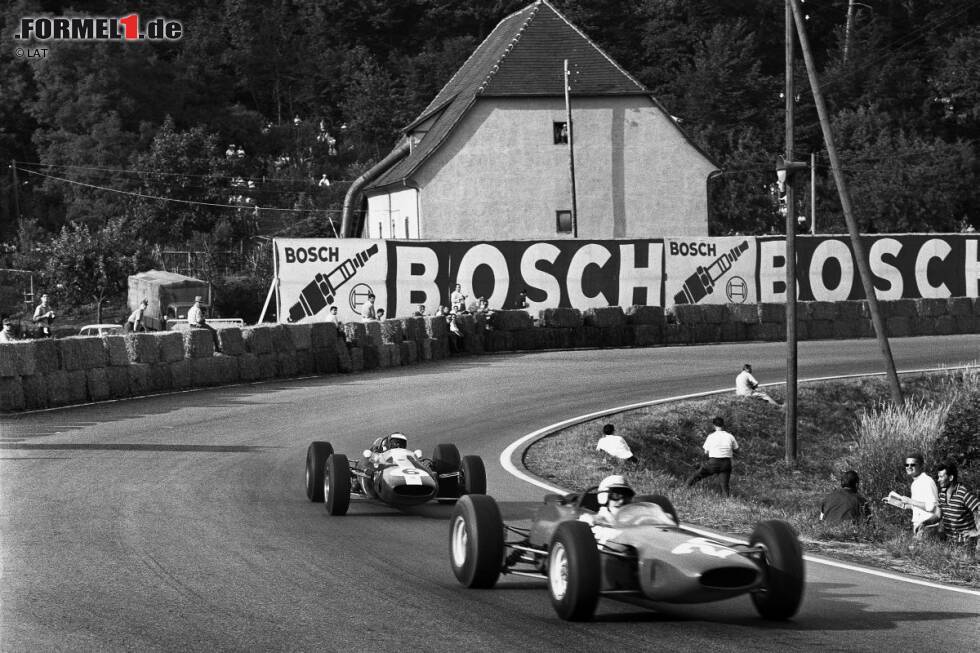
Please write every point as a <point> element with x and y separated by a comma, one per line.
<point>144,347</point>
<point>820,329</point>
<point>97,382</point>
<point>118,380</point>
<point>677,334</point>
<point>257,339</point>
<point>35,356</point>
<point>300,335</point>
<point>436,326</point>
<point>370,357</point>
<point>945,325</point>
<point>560,318</point>
<point>8,358</point>
<point>115,350</point>
<point>645,335</point>
<point>410,327</point>
<point>732,332</point>
<point>248,367</point>
<point>604,316</point>
<point>344,363</point>
<point>892,308</point>
<point>323,335</point>
<point>198,343</point>
<point>823,310</point>
<point>388,356</point>
<point>959,306</point>
<point>356,333</point>
<point>231,341</point>
<point>281,342</point>
<point>372,337</point>
<point>409,352</point>
<point>645,315</point>
<point>92,352</point>
<point>929,307</point>
<point>391,331</point>
<point>514,320</point>
<point>36,391</point>
<point>11,393</point>
<point>356,359</point>
<point>228,369</point>
<point>425,350</point>
<point>170,345</point>
<point>852,310</point>
<point>204,372</point>
<point>325,361</point>
<point>56,384</point>
<point>967,324</point>
<point>771,313</point>
<point>304,362</point>
<point>161,378</point>
<point>767,331</point>
<point>742,313</point>
<point>139,379</point>
<point>439,348</point>
<point>899,326</point>
<point>846,328</point>
<point>69,354</point>
<point>181,376</point>
<point>286,365</point>
<point>267,366</point>
<point>499,341</point>
<point>528,339</point>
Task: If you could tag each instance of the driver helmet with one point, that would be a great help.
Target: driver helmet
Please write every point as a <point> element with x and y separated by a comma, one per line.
<point>397,441</point>
<point>614,485</point>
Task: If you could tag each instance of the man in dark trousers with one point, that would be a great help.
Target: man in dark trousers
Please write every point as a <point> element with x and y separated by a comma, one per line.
<point>720,447</point>
<point>845,504</point>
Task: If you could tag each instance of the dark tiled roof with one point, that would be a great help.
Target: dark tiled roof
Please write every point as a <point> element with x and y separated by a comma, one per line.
<point>523,56</point>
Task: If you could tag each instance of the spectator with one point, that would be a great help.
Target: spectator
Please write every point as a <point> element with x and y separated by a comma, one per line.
<point>720,447</point>
<point>747,386</point>
<point>333,318</point>
<point>455,334</point>
<point>420,311</point>
<point>43,317</point>
<point>457,300</point>
<point>924,499</point>
<point>845,503</point>
<point>7,335</point>
<point>614,445</point>
<point>521,300</point>
<point>135,320</point>
<point>195,319</point>
<point>380,313</point>
<point>960,509</point>
<point>367,308</point>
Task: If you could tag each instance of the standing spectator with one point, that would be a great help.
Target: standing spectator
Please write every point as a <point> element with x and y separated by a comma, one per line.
<point>44,317</point>
<point>7,335</point>
<point>334,319</point>
<point>135,320</point>
<point>455,334</point>
<point>367,308</point>
<point>420,311</point>
<point>195,319</point>
<point>924,499</point>
<point>720,447</point>
<point>845,503</point>
<point>747,386</point>
<point>960,509</point>
<point>457,300</point>
<point>380,314</point>
<point>521,300</point>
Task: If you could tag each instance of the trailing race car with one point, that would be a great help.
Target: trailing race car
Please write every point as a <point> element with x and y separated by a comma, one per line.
<point>644,552</point>
<point>392,474</point>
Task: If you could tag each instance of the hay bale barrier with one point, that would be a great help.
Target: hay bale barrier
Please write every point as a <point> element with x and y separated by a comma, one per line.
<point>36,374</point>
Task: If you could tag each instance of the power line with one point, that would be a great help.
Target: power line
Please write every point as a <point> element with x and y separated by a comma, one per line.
<point>265,180</point>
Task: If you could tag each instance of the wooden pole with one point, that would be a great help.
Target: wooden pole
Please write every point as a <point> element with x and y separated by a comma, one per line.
<point>571,149</point>
<point>790,440</point>
<point>860,256</point>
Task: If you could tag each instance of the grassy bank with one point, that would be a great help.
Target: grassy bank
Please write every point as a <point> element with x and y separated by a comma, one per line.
<point>842,425</point>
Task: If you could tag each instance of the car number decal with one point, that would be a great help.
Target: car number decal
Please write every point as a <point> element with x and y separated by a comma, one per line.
<point>703,546</point>
<point>412,476</point>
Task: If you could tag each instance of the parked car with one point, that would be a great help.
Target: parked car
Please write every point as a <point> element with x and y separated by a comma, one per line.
<point>100,330</point>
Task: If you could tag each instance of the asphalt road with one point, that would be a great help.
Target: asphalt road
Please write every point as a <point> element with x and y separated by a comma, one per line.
<point>180,522</point>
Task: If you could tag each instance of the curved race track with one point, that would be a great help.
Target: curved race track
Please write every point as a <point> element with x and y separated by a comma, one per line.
<point>180,522</point>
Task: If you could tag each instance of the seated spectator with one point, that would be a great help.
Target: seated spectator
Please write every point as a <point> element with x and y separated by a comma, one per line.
<point>845,504</point>
<point>195,319</point>
<point>747,386</point>
<point>7,335</point>
<point>420,311</point>
<point>614,445</point>
<point>456,336</point>
<point>457,299</point>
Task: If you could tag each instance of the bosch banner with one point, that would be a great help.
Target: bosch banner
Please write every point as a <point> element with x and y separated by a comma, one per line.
<point>315,274</point>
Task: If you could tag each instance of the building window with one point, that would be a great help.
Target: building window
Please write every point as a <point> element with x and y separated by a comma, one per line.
<point>564,221</point>
<point>560,132</point>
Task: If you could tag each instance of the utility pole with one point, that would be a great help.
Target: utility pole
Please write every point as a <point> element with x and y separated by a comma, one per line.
<point>13,172</point>
<point>857,247</point>
<point>813,193</point>
<point>571,149</point>
<point>791,348</point>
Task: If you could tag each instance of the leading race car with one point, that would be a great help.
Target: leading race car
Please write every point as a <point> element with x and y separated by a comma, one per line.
<point>644,552</point>
<point>391,473</point>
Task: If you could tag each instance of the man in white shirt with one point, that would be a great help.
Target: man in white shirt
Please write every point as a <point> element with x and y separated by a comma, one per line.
<point>924,499</point>
<point>367,308</point>
<point>720,447</point>
<point>195,319</point>
<point>747,386</point>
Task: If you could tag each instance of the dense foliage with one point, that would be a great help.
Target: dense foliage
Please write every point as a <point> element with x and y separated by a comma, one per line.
<point>235,130</point>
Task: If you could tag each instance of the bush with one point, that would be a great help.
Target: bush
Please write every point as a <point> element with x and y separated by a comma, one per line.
<point>958,439</point>
<point>240,297</point>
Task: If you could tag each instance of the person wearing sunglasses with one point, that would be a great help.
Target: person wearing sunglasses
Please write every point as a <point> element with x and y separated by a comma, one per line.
<point>924,498</point>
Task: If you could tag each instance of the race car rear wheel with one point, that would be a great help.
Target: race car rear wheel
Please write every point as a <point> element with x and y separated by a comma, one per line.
<point>445,460</point>
<point>472,476</point>
<point>573,571</point>
<point>476,541</point>
<point>661,501</point>
<point>782,592</point>
<point>336,484</point>
<point>316,458</point>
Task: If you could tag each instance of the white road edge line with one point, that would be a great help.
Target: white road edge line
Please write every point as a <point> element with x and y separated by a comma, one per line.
<point>507,462</point>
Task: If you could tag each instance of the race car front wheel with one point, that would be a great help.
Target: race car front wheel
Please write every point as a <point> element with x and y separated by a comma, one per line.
<point>336,484</point>
<point>316,458</point>
<point>472,476</point>
<point>782,592</point>
<point>573,571</point>
<point>476,541</point>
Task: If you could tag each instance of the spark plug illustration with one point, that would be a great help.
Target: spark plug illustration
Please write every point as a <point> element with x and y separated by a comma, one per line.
<point>323,289</point>
<point>702,282</point>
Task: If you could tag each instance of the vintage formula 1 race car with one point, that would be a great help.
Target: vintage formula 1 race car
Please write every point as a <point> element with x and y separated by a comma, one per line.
<point>644,553</point>
<point>391,473</point>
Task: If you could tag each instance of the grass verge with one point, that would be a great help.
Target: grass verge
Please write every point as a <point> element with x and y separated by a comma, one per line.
<point>841,425</point>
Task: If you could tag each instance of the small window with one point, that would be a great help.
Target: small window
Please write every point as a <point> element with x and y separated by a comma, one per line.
<point>561,132</point>
<point>564,221</point>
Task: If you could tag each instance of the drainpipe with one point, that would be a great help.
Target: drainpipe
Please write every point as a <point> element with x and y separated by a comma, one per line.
<point>347,218</point>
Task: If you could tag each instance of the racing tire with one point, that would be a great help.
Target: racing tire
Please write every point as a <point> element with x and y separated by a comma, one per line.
<point>336,484</point>
<point>782,591</point>
<point>316,458</point>
<point>573,571</point>
<point>472,476</point>
<point>445,460</point>
<point>476,541</point>
<point>661,501</point>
